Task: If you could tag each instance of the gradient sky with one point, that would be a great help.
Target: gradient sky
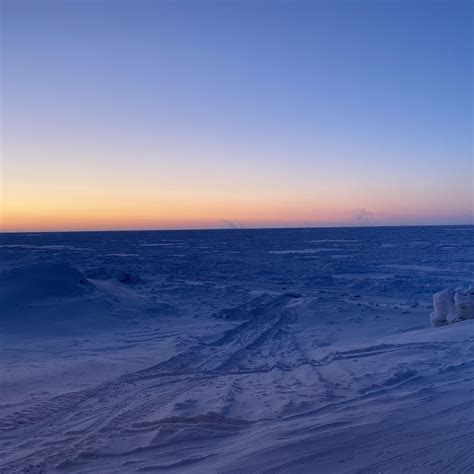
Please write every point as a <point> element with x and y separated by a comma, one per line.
<point>175,114</point>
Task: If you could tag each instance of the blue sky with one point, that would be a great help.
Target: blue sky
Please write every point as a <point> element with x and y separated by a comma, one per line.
<point>184,114</point>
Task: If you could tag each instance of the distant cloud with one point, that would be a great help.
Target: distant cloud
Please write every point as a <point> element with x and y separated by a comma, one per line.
<point>361,216</point>
<point>229,224</point>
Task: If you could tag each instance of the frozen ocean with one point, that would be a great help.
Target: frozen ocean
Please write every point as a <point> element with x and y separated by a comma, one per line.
<point>276,350</point>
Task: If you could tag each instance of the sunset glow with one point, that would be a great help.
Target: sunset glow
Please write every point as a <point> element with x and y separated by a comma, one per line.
<point>203,115</point>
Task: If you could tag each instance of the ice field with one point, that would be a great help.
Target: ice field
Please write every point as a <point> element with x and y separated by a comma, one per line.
<point>288,350</point>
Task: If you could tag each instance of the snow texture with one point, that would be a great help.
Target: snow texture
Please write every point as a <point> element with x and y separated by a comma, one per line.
<point>242,351</point>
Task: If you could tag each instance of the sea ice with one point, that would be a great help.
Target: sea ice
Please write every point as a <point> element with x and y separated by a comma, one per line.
<point>240,355</point>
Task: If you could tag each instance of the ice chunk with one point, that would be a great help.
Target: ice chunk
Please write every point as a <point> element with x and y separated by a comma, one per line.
<point>452,305</point>
<point>464,303</point>
<point>444,308</point>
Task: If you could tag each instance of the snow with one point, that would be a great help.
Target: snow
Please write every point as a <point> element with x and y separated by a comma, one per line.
<point>31,283</point>
<point>283,252</point>
<point>444,308</point>
<point>464,303</point>
<point>451,306</point>
<point>239,355</point>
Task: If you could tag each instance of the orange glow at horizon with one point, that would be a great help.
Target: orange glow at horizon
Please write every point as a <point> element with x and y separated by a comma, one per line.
<point>74,198</point>
<point>179,216</point>
<point>183,214</point>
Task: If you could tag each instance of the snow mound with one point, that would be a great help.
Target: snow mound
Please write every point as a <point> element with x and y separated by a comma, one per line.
<point>452,305</point>
<point>35,283</point>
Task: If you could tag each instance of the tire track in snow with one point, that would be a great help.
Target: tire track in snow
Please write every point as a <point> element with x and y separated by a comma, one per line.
<point>60,430</point>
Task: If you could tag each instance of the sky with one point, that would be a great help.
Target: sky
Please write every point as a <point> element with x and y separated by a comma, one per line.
<point>152,114</point>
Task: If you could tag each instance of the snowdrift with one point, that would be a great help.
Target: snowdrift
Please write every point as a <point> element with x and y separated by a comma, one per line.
<point>48,297</point>
<point>35,283</point>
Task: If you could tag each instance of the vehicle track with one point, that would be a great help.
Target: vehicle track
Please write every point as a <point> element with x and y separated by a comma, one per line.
<point>57,431</point>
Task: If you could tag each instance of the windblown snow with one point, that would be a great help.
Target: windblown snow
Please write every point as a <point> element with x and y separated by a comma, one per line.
<point>296,350</point>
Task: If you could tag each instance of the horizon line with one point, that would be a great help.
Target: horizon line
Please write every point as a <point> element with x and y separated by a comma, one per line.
<point>201,229</point>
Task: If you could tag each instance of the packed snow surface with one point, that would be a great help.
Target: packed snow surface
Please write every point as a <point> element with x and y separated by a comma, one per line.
<point>307,350</point>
